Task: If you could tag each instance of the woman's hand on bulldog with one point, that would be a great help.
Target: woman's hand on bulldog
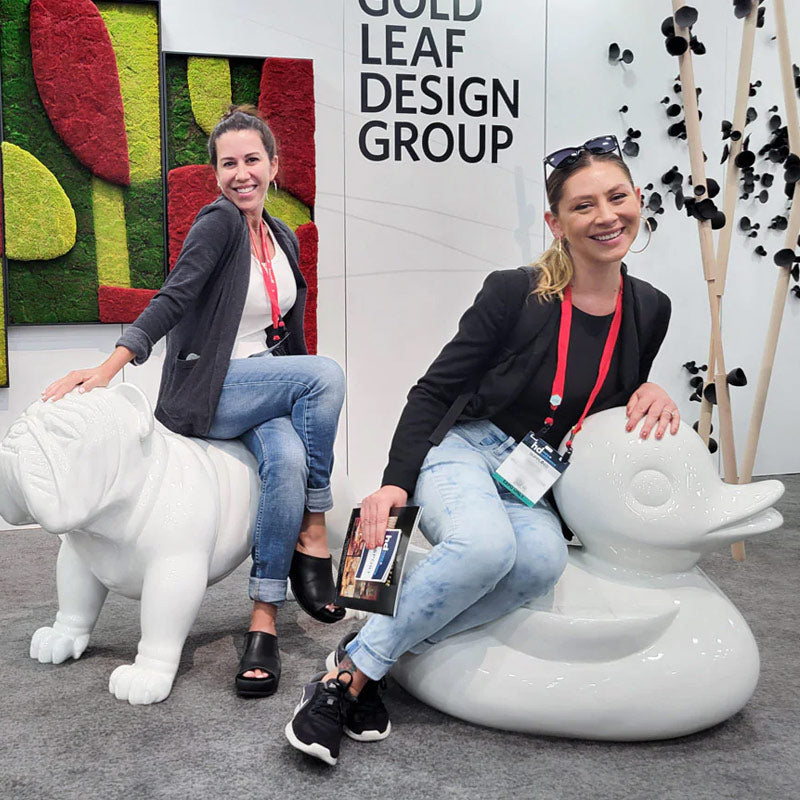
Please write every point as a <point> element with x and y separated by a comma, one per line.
<point>375,513</point>
<point>88,379</point>
<point>651,403</point>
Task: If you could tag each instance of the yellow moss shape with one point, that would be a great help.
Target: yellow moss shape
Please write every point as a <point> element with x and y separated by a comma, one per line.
<point>111,235</point>
<point>134,36</point>
<point>288,208</point>
<point>209,89</point>
<point>39,219</point>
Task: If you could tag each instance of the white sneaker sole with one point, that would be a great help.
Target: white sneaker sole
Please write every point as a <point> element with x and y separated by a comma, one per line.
<point>369,736</point>
<point>364,736</point>
<point>315,750</point>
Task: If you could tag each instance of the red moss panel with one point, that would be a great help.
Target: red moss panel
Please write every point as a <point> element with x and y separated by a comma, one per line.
<point>308,237</point>
<point>119,304</point>
<point>188,190</point>
<point>76,74</point>
<point>287,101</point>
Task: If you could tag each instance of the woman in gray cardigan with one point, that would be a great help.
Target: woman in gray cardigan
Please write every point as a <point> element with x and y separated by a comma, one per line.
<point>233,303</point>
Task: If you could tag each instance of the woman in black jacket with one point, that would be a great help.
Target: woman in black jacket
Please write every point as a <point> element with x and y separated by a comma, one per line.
<point>537,350</point>
<point>233,302</point>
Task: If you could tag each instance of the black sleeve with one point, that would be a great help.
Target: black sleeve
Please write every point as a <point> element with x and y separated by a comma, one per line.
<point>485,325</point>
<point>656,337</point>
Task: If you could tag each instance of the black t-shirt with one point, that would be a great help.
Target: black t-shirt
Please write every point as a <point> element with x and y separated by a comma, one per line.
<point>586,341</point>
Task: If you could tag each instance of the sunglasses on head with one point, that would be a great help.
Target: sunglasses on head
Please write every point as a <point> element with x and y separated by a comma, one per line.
<point>569,155</point>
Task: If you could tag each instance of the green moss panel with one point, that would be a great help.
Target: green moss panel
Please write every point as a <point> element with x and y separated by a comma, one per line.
<point>39,220</point>
<point>246,80</point>
<point>147,259</point>
<point>111,236</point>
<point>186,142</point>
<point>134,35</point>
<point>63,289</point>
<point>209,81</point>
<point>288,208</point>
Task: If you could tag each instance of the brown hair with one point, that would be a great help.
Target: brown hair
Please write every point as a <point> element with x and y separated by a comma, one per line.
<point>241,118</point>
<point>554,265</point>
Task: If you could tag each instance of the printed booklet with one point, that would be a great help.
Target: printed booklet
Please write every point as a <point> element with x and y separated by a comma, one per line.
<point>369,580</point>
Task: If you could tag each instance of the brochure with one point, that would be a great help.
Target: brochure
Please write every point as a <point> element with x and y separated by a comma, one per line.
<point>370,580</point>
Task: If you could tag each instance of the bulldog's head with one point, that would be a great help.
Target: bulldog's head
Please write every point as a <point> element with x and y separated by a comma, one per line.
<point>63,463</point>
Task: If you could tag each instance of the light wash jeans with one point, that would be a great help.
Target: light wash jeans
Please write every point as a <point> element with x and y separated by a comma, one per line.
<point>285,409</point>
<point>491,553</point>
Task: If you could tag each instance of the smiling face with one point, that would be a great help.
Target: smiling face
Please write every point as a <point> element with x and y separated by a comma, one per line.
<point>244,170</point>
<point>599,214</point>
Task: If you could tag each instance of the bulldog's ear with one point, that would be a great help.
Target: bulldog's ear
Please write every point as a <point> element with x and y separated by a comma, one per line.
<point>137,398</point>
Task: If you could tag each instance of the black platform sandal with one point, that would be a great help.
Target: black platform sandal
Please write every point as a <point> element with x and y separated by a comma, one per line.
<point>260,652</point>
<point>313,587</point>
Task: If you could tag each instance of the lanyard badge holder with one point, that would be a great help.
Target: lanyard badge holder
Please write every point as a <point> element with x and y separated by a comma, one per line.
<point>533,465</point>
<point>278,329</point>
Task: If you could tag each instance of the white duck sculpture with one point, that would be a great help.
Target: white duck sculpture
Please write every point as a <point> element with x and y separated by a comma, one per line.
<point>634,642</point>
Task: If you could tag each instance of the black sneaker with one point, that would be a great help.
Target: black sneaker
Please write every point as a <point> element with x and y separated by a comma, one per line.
<point>366,719</point>
<point>316,727</point>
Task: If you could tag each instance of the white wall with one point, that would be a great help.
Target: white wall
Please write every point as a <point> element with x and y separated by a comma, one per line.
<point>404,246</point>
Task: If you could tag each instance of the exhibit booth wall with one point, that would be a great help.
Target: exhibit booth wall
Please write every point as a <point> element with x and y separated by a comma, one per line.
<point>407,240</point>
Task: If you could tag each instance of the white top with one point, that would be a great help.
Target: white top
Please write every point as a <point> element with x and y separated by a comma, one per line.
<point>256,314</point>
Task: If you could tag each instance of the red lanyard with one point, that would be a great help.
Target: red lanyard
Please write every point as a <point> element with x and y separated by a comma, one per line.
<point>563,348</point>
<point>269,280</point>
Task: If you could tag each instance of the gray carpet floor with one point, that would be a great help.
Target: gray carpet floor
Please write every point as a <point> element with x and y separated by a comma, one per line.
<point>62,735</point>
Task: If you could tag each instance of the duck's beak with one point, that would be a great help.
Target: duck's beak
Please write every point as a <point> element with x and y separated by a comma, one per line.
<point>744,510</point>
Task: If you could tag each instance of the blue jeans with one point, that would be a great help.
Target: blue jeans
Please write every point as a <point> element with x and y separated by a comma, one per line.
<point>285,409</point>
<point>491,553</point>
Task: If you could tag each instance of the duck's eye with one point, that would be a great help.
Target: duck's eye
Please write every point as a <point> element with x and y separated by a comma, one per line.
<point>651,488</point>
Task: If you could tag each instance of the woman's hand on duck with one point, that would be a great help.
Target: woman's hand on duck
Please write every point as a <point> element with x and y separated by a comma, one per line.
<point>651,403</point>
<point>375,513</point>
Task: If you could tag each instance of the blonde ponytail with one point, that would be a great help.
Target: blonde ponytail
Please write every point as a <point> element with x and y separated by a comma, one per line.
<point>555,271</point>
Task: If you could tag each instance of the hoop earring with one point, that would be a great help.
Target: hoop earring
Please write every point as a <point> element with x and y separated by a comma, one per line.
<point>649,236</point>
<point>560,247</point>
<point>273,184</point>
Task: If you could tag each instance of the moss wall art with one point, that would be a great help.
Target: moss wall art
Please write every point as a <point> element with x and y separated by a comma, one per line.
<point>81,120</point>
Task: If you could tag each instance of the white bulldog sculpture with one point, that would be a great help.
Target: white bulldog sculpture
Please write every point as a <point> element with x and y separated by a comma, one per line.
<point>635,642</point>
<point>147,514</point>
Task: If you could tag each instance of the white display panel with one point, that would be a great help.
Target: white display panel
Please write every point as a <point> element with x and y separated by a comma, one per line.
<point>422,234</point>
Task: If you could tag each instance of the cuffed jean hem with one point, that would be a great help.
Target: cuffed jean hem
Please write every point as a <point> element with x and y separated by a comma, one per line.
<point>369,662</point>
<point>268,590</point>
<point>319,500</point>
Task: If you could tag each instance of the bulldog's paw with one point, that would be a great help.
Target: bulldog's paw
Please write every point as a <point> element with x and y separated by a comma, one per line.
<point>143,682</point>
<point>53,645</point>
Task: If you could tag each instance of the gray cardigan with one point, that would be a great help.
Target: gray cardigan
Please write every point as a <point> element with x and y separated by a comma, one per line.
<point>199,308</point>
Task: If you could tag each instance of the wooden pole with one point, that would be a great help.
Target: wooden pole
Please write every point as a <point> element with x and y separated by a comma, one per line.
<point>730,197</point>
<point>692,117</point>
<point>731,187</point>
<point>793,227</point>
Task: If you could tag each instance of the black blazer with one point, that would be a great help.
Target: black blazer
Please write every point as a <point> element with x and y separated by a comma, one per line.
<point>500,343</point>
